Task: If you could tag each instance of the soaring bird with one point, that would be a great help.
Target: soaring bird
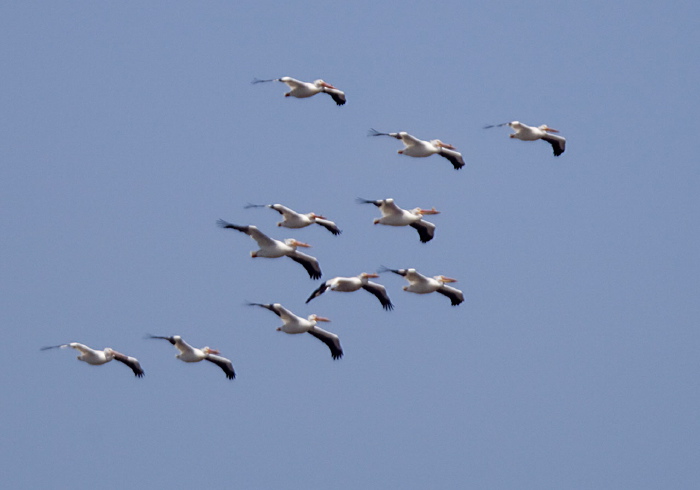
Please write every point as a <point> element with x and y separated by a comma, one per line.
<point>349,284</point>
<point>296,324</point>
<point>392,215</point>
<point>192,354</point>
<point>272,249</point>
<point>292,219</point>
<point>98,357</point>
<point>421,148</point>
<point>420,284</point>
<point>524,132</point>
<point>301,90</point>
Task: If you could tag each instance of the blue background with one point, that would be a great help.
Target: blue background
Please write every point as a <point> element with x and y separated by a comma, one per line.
<point>127,128</point>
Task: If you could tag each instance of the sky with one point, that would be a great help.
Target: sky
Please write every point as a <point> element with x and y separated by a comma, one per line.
<point>128,128</point>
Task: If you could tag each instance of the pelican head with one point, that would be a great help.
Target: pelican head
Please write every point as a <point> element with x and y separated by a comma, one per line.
<point>316,216</point>
<point>295,243</point>
<point>427,211</point>
<point>321,83</point>
<point>176,338</point>
<point>544,127</point>
<point>209,350</point>
<point>316,318</point>
<point>367,275</point>
<point>440,144</point>
<point>444,279</point>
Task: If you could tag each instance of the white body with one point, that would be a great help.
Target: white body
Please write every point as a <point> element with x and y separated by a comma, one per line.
<point>97,357</point>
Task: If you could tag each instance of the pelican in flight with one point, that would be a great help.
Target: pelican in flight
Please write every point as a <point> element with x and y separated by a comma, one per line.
<point>301,90</point>
<point>420,284</point>
<point>98,357</point>
<point>420,148</point>
<point>272,249</point>
<point>296,324</point>
<point>349,284</point>
<point>524,132</point>
<point>192,354</point>
<point>292,219</point>
<point>392,215</point>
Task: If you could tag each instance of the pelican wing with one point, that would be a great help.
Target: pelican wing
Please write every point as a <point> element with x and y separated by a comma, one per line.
<point>319,291</point>
<point>310,263</point>
<point>409,139</point>
<point>329,225</point>
<point>496,125</point>
<point>558,143</point>
<point>169,339</point>
<point>455,295</point>
<point>84,349</point>
<point>132,362</point>
<point>414,277</point>
<point>278,310</point>
<point>223,363</point>
<point>454,157</point>
<point>337,95</point>
<point>426,230</point>
<point>389,208</point>
<point>401,272</point>
<point>291,82</point>
<point>252,231</point>
<point>374,132</point>
<point>60,346</point>
<point>330,339</point>
<point>380,292</point>
<point>283,210</point>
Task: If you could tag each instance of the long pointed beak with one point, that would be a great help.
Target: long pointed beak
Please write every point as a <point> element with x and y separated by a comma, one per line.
<point>445,145</point>
<point>367,274</point>
<point>301,244</point>
<point>322,319</point>
<point>212,351</point>
<point>447,279</point>
<point>318,216</point>
<point>327,85</point>
<point>429,211</point>
<point>551,130</point>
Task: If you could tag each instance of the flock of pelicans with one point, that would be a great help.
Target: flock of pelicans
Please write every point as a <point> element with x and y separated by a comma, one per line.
<point>392,215</point>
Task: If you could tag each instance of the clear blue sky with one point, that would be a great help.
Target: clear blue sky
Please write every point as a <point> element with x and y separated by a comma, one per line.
<point>128,128</point>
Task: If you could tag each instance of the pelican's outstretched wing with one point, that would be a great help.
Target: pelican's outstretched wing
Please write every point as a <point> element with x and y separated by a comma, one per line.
<point>426,230</point>
<point>454,157</point>
<point>558,143</point>
<point>330,339</point>
<point>310,263</point>
<point>132,362</point>
<point>380,292</point>
<point>223,363</point>
<point>455,295</point>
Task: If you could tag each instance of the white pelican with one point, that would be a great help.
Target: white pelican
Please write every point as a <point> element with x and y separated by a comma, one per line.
<point>192,354</point>
<point>98,357</point>
<point>420,148</point>
<point>392,215</point>
<point>301,90</point>
<point>292,219</point>
<point>420,284</point>
<point>272,249</point>
<point>349,284</point>
<point>524,132</point>
<point>296,324</point>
